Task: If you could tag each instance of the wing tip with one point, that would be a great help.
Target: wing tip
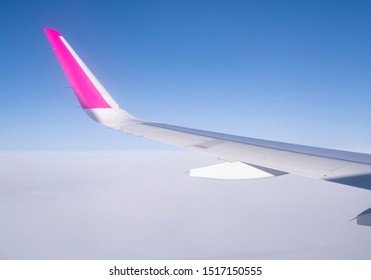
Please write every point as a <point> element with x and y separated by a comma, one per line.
<point>51,32</point>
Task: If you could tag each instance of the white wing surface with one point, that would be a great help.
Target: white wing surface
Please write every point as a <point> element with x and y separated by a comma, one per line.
<point>242,157</point>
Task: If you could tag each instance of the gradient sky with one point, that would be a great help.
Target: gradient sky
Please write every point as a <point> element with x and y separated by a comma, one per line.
<point>294,71</point>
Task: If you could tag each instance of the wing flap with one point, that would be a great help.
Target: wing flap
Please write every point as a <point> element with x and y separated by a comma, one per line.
<point>235,170</point>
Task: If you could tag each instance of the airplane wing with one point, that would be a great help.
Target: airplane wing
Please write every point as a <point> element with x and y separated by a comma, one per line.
<point>239,157</point>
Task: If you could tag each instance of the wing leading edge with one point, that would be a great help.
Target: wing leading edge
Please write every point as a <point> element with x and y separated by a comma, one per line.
<point>245,158</point>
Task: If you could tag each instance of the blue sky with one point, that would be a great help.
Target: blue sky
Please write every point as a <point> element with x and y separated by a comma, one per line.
<point>291,71</point>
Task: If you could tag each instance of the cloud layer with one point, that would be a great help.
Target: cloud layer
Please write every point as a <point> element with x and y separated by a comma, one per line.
<point>135,205</point>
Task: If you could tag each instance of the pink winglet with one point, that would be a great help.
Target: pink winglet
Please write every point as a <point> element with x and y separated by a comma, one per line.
<point>87,94</point>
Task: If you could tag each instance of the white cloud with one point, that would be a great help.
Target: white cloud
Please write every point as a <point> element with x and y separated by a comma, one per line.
<point>134,205</point>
